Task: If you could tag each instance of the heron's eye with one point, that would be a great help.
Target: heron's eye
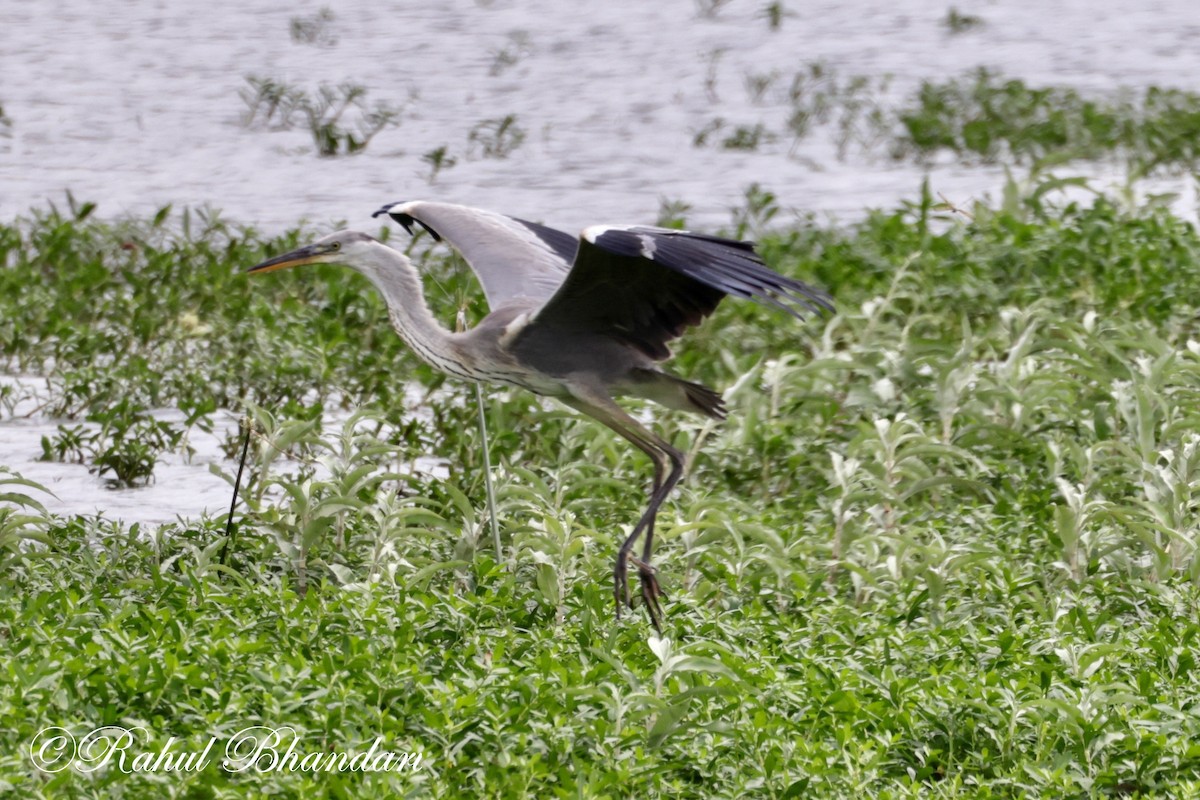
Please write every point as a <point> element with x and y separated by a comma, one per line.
<point>336,246</point>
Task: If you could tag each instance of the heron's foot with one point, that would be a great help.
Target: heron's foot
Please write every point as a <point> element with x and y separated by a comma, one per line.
<point>651,592</point>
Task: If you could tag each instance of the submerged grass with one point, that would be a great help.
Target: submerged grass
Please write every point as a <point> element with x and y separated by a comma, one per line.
<point>946,546</point>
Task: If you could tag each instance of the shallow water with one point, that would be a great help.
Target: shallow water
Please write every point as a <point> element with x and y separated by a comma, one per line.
<point>184,485</point>
<point>135,105</point>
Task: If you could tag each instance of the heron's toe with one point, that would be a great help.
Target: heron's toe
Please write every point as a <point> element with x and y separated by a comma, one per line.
<point>651,593</point>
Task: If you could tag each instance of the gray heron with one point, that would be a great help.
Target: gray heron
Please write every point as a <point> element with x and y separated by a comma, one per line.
<point>583,320</point>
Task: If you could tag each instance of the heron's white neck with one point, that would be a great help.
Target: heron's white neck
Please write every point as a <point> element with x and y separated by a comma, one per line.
<point>397,280</point>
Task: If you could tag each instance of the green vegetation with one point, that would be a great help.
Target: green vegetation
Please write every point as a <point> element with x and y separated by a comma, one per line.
<point>517,47</point>
<point>438,159</point>
<point>742,137</point>
<point>957,22</point>
<point>709,9</point>
<point>314,30</point>
<point>946,545</point>
<point>774,13</point>
<point>988,118</point>
<point>853,106</point>
<point>128,444</point>
<point>274,105</point>
<point>978,117</point>
<point>496,138</point>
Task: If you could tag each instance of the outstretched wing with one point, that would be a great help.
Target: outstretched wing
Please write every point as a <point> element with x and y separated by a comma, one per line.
<point>647,285</point>
<point>511,257</point>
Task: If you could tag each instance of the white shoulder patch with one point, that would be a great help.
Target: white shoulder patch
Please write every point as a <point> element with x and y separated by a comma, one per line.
<point>648,246</point>
<point>642,232</point>
<point>593,232</point>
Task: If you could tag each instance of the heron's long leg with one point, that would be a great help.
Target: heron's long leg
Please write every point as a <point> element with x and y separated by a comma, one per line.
<point>654,487</point>
<point>651,591</point>
<point>667,460</point>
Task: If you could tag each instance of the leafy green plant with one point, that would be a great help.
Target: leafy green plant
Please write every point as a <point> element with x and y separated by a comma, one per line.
<point>127,443</point>
<point>518,46</point>
<point>325,110</point>
<point>957,22</point>
<point>672,213</point>
<point>709,9</point>
<point>977,117</point>
<point>315,29</point>
<point>270,102</point>
<point>438,159</point>
<point>989,118</point>
<point>712,64</point>
<point>775,12</point>
<point>746,137</point>
<point>132,448</point>
<point>496,138</point>
<point>700,137</point>
<point>71,444</point>
<point>757,84</point>
<point>275,103</point>
<point>9,398</point>
<point>23,519</point>
<point>754,216</point>
<point>855,106</point>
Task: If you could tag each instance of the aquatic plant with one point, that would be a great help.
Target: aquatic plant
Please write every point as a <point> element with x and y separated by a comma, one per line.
<point>275,104</point>
<point>315,29</point>
<point>496,138</point>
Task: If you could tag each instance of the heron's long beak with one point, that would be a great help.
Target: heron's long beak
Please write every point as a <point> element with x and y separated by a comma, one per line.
<point>311,254</point>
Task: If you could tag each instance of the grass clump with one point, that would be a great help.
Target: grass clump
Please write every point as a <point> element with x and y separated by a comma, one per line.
<point>315,29</point>
<point>127,445</point>
<point>275,104</point>
<point>987,118</point>
<point>956,22</point>
<point>977,117</point>
<point>518,46</point>
<point>496,138</point>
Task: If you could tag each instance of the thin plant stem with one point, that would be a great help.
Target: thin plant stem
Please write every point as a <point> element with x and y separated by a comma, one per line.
<point>487,476</point>
<point>229,530</point>
<point>461,321</point>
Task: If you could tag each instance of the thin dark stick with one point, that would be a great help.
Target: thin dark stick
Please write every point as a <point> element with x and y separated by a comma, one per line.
<point>236,483</point>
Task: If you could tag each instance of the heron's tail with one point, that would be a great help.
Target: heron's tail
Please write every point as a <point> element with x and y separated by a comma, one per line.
<point>674,392</point>
<point>704,399</point>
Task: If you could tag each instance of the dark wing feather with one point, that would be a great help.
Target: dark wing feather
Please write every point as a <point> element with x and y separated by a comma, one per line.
<point>646,286</point>
<point>564,244</point>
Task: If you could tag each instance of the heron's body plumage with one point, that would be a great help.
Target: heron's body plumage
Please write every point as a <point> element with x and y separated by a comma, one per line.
<point>582,320</point>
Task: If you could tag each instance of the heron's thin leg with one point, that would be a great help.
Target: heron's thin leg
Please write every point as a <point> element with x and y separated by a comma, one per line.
<point>651,590</point>
<point>600,406</point>
<point>662,490</point>
<point>654,487</point>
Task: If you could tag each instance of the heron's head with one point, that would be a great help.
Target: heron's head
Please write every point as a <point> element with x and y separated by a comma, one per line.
<point>349,248</point>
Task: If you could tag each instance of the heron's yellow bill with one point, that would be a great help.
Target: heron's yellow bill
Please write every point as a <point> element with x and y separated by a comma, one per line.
<point>311,254</point>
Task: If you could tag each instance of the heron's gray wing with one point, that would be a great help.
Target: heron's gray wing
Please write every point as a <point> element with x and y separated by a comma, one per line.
<point>647,285</point>
<point>511,257</point>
